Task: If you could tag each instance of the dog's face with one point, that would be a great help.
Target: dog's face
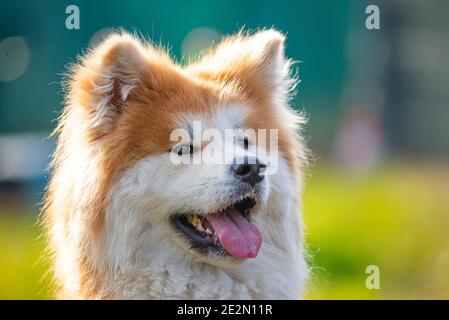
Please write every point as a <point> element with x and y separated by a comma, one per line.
<point>191,151</point>
<point>204,205</point>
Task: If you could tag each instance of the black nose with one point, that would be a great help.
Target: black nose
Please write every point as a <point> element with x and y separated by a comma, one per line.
<point>248,169</point>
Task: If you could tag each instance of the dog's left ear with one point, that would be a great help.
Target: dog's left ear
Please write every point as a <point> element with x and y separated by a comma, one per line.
<point>258,60</point>
<point>101,83</point>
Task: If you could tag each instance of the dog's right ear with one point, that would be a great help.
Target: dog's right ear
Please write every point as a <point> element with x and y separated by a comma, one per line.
<point>106,76</point>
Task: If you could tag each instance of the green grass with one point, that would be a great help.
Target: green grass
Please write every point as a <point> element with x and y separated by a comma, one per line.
<point>397,218</point>
<point>23,270</point>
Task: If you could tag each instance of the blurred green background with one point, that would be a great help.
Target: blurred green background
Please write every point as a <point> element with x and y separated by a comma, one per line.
<point>377,100</point>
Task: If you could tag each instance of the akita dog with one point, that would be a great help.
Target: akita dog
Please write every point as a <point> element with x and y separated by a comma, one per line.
<point>126,221</point>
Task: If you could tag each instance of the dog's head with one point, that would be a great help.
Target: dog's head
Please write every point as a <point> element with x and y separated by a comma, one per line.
<point>196,153</point>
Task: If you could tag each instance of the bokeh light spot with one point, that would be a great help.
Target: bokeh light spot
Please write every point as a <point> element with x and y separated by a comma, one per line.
<point>99,36</point>
<point>197,40</point>
<point>14,58</point>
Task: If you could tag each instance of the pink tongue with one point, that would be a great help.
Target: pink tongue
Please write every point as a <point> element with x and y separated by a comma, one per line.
<point>239,237</point>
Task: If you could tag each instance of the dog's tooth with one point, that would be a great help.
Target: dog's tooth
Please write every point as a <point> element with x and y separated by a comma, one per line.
<point>196,221</point>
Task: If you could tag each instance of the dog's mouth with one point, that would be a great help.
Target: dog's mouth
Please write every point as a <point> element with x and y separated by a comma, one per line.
<point>226,232</point>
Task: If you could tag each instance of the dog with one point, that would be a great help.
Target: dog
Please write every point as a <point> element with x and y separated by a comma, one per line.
<point>126,221</point>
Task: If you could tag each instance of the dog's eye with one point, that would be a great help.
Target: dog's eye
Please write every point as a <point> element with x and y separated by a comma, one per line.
<point>185,150</point>
<point>182,149</point>
<point>245,143</point>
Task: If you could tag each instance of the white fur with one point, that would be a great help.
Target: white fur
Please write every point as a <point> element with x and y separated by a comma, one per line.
<point>146,262</point>
<point>143,257</point>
